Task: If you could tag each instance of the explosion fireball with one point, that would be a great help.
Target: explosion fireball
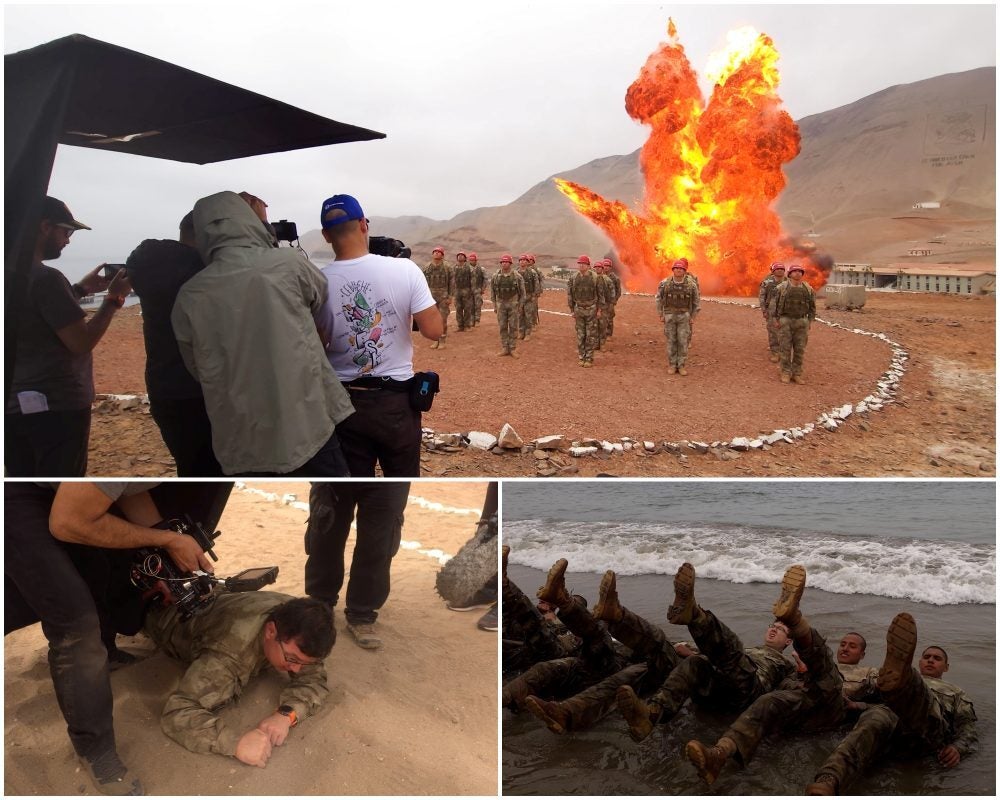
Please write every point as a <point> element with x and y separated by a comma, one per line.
<point>712,171</point>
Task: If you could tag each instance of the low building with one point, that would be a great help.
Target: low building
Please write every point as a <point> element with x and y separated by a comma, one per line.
<point>950,278</point>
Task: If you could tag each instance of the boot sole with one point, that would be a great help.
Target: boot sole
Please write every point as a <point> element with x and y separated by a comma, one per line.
<point>608,586</point>
<point>900,645</point>
<point>632,708</point>
<point>535,707</point>
<point>697,754</point>
<point>792,586</point>
<point>557,572</point>
<point>678,613</point>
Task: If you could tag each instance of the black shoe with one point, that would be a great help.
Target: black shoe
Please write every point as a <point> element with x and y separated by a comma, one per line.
<point>110,776</point>
<point>489,621</point>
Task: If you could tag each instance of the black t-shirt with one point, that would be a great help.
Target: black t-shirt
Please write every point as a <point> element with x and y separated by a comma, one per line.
<point>43,363</point>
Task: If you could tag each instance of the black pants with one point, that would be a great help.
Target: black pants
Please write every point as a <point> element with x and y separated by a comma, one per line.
<point>187,433</point>
<point>332,507</point>
<point>329,462</point>
<point>49,444</point>
<point>383,429</point>
<point>49,584</point>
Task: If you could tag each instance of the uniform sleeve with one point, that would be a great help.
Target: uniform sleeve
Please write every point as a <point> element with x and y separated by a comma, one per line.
<point>188,718</point>
<point>762,296</point>
<point>452,288</point>
<point>772,307</point>
<point>659,300</point>
<point>966,739</point>
<point>181,324</point>
<point>695,300</point>
<point>812,304</point>
<point>520,288</point>
<point>569,292</point>
<point>307,691</point>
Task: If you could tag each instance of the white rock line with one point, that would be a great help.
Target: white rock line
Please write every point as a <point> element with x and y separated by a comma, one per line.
<point>884,394</point>
<point>288,499</point>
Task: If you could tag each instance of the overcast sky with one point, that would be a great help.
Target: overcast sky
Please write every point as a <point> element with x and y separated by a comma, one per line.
<point>479,101</point>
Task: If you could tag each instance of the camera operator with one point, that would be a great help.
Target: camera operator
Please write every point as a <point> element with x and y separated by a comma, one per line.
<point>226,645</point>
<point>49,529</point>
<point>372,299</point>
<point>47,413</point>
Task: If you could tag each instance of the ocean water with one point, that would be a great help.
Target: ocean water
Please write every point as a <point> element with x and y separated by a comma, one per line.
<point>928,541</point>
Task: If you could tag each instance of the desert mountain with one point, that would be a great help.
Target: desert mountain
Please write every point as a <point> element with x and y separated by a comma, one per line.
<point>854,189</point>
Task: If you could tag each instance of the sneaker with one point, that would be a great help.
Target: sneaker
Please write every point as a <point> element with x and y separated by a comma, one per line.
<point>792,585</point>
<point>110,776</point>
<point>489,621</point>
<point>709,761</point>
<point>681,611</point>
<point>636,712</point>
<point>554,590</point>
<point>900,645</point>
<point>825,785</point>
<point>364,634</point>
<point>555,717</point>
<point>608,608</point>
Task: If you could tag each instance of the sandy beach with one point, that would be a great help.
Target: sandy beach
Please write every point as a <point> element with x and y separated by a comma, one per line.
<point>604,760</point>
<point>417,717</point>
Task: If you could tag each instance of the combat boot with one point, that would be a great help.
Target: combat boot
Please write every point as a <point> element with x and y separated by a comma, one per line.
<point>436,345</point>
<point>786,378</point>
<point>798,379</point>
<point>583,362</point>
<point>709,761</point>
<point>786,608</point>
<point>513,354</point>
<point>527,336</point>
<point>682,371</point>
<point>684,608</point>
<point>588,363</point>
<point>641,717</point>
<point>825,784</point>
<point>900,645</point>
<point>440,344</point>
<point>775,358</point>
<point>608,608</point>
<point>501,353</point>
<point>555,717</point>
<point>554,590</point>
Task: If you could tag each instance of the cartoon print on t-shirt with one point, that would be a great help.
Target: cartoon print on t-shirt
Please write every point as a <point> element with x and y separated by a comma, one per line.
<point>364,322</point>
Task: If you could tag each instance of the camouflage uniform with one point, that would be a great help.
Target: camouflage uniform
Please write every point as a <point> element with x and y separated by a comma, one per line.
<point>933,714</point>
<point>768,287</point>
<point>224,646</point>
<point>795,308</point>
<point>605,309</point>
<point>677,303</point>
<point>464,308</point>
<point>441,282</point>
<point>585,292</point>
<point>539,288</point>
<point>541,639</point>
<point>725,675</point>
<point>478,287</point>
<point>614,303</point>
<point>529,306</point>
<point>507,291</point>
<point>818,705</point>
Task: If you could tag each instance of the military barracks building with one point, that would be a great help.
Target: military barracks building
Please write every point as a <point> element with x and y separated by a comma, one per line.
<point>950,278</point>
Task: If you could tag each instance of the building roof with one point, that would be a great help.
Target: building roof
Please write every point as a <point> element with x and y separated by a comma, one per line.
<point>944,270</point>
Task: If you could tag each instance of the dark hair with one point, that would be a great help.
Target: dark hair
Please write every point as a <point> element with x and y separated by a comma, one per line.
<point>935,647</point>
<point>864,644</point>
<point>308,622</point>
<point>187,225</point>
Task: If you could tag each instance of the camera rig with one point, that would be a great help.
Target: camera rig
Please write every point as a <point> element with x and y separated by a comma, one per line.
<point>387,246</point>
<point>154,571</point>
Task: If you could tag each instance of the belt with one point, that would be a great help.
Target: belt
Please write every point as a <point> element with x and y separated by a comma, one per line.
<point>369,384</point>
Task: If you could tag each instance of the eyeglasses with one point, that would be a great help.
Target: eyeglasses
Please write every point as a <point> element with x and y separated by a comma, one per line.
<point>292,659</point>
<point>776,627</point>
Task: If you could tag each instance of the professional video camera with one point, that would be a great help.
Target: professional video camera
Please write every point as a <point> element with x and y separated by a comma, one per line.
<point>387,246</point>
<point>153,569</point>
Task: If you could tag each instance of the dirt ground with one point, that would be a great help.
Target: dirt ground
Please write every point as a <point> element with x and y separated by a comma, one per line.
<point>942,424</point>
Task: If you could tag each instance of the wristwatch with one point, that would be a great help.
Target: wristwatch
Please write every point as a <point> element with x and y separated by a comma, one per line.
<point>288,711</point>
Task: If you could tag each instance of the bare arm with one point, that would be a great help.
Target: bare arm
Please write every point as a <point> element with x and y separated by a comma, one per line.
<point>83,335</point>
<point>429,323</point>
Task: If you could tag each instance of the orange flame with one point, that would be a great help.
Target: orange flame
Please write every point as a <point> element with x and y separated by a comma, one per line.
<point>712,171</point>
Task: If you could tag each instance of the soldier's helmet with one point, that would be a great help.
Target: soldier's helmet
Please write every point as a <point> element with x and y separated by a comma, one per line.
<point>473,255</point>
<point>607,262</point>
<point>777,265</point>
<point>795,268</point>
<point>506,259</point>
<point>531,257</point>
<point>460,253</point>
<point>583,260</point>
<point>681,263</point>
<point>438,250</point>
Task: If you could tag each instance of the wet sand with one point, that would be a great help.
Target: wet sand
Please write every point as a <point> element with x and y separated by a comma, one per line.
<point>605,761</point>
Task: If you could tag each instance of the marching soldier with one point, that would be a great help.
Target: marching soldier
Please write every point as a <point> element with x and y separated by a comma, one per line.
<point>441,281</point>
<point>584,293</point>
<point>464,308</point>
<point>478,287</point>
<point>507,293</point>
<point>792,309</point>
<point>677,303</point>
<point>768,287</point>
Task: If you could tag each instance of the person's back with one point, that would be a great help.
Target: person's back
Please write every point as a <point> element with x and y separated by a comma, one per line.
<point>246,329</point>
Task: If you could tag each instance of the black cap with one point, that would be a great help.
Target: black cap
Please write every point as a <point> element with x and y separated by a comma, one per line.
<point>57,212</point>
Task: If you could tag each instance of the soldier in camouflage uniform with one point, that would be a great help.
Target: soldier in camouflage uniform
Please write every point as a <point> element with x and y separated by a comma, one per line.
<point>650,655</point>
<point>724,676</point>
<point>507,293</point>
<point>768,286</point>
<point>677,303</point>
<point>441,281</point>
<point>585,292</point>
<point>464,290</point>
<point>927,714</point>
<point>529,306</point>
<point>609,270</point>
<point>539,286</point>
<point>226,645</point>
<point>604,308</point>
<point>479,284</point>
<point>792,309</point>
<point>818,705</point>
